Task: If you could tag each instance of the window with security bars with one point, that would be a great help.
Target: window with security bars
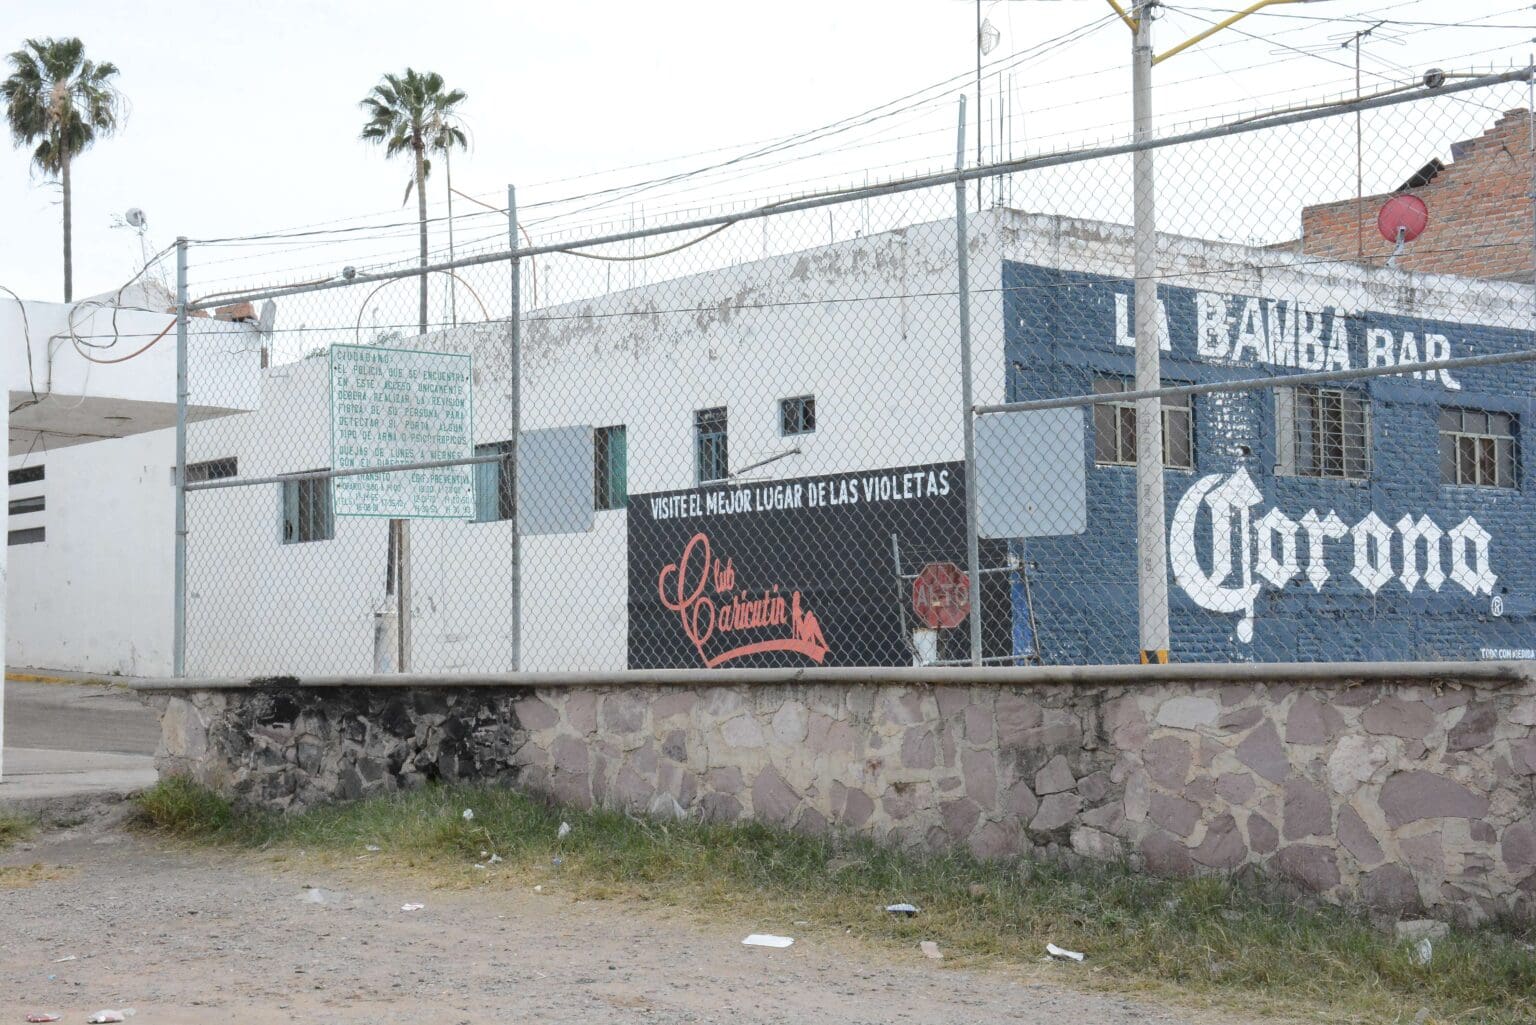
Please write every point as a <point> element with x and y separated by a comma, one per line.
<point>1478,448</point>
<point>1114,428</point>
<point>797,415</point>
<point>711,454</point>
<point>493,483</point>
<point>1323,432</point>
<point>213,469</point>
<point>307,512</point>
<point>610,468</point>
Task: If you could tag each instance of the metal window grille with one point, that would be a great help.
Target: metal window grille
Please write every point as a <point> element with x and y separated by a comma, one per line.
<point>1114,428</point>
<point>797,415</point>
<point>710,444</point>
<point>213,469</point>
<point>35,503</point>
<point>610,458</point>
<point>1478,448</point>
<point>307,512</point>
<point>26,536</point>
<point>1324,432</point>
<point>494,499</point>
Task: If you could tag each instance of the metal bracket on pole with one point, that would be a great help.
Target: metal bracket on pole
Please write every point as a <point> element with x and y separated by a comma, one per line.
<point>963,260</point>
<point>515,360</point>
<point>179,588</point>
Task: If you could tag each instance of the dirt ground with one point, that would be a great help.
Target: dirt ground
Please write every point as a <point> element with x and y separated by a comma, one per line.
<point>193,936</point>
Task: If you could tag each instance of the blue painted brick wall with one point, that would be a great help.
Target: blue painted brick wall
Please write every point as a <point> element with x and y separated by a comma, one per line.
<point>1060,332</point>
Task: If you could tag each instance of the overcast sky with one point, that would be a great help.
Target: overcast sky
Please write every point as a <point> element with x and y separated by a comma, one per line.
<point>244,116</point>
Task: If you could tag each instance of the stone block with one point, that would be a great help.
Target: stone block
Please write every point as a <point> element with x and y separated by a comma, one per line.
<point>581,710</point>
<point>978,725</point>
<point>743,731</point>
<point>623,711</point>
<point>675,746</point>
<point>670,702</point>
<point>1518,847</point>
<point>1092,843</point>
<point>725,779</point>
<point>1015,716</point>
<point>1413,795</point>
<point>857,808</point>
<point>1307,811</point>
<point>1314,867</point>
<point>994,841</point>
<point>1475,727</point>
<point>1138,796</point>
<point>1235,788</point>
<point>1174,814</point>
<point>980,771</point>
<point>952,700</point>
<point>1222,846</point>
<point>1357,838</point>
<point>828,736</point>
<point>773,800</point>
<point>960,817</point>
<point>1395,717</point>
<point>1240,719</point>
<point>1413,930</point>
<point>1356,760</point>
<point>1310,721</point>
<point>1020,803</point>
<point>1094,787</point>
<point>1166,856</point>
<point>720,808</point>
<point>1390,888</point>
<point>1167,760</point>
<point>1264,753</point>
<point>1263,837</point>
<point>1188,712</point>
<point>535,714</point>
<point>1055,777</point>
<point>918,748</point>
<point>1056,811</point>
<point>790,724</point>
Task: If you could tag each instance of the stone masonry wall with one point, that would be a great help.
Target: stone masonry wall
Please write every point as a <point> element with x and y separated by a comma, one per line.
<point>1402,797</point>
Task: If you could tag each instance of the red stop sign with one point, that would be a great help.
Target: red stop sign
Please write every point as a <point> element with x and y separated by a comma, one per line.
<point>941,595</point>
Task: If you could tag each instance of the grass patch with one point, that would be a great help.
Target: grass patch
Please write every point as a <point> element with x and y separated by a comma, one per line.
<point>14,827</point>
<point>14,877</point>
<point>1206,938</point>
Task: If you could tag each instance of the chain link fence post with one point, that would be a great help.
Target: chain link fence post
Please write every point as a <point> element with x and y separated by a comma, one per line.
<point>179,588</point>
<point>515,358</point>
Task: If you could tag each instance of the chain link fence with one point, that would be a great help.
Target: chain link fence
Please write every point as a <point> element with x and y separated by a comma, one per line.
<point>790,436</point>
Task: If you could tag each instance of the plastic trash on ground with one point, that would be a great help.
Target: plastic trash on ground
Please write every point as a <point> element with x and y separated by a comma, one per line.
<point>411,907</point>
<point>494,860</point>
<point>761,939</point>
<point>469,814</point>
<point>61,960</point>
<point>564,831</point>
<point>44,1017</point>
<point>930,949</point>
<point>903,909</point>
<point>110,1015</point>
<point>1062,953</point>
<point>1423,952</point>
<point>373,848</point>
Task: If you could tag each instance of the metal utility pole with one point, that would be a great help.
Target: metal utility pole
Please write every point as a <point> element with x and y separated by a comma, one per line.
<point>179,588</point>
<point>1151,511</point>
<point>963,263</point>
<point>514,396</point>
<point>1151,532</point>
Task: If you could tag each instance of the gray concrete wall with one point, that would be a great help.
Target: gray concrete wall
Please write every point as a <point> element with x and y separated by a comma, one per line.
<point>1407,794</point>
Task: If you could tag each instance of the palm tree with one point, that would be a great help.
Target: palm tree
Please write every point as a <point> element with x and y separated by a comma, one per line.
<point>412,113</point>
<point>63,102</point>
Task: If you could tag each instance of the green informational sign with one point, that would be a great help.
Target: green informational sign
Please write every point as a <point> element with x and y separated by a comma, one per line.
<point>393,406</point>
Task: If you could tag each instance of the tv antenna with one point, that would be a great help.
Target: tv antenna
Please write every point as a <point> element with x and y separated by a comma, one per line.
<point>135,218</point>
<point>1347,40</point>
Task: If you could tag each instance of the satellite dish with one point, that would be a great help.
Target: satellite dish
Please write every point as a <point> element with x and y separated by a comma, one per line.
<point>135,218</point>
<point>1402,219</point>
<point>989,37</point>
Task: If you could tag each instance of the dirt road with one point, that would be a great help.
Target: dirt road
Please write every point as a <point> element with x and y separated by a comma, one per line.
<point>188,937</point>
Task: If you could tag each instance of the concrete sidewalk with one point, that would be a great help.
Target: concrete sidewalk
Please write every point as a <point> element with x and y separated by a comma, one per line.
<point>76,735</point>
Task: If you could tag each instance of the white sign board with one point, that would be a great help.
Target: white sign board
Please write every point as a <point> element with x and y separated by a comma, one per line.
<point>391,406</point>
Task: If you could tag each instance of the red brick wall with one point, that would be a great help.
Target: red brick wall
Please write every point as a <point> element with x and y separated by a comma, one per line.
<point>1480,214</point>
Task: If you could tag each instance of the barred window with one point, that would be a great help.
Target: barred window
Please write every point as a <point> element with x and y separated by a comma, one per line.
<point>493,483</point>
<point>1323,432</point>
<point>1114,428</point>
<point>1478,448</point>
<point>711,455</point>
<point>610,468</point>
<point>213,469</point>
<point>797,415</point>
<point>307,513</point>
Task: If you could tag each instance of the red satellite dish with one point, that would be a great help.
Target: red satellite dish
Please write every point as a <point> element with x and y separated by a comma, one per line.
<point>941,595</point>
<point>1406,213</point>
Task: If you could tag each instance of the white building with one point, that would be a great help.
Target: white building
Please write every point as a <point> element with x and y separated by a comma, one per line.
<point>866,327</point>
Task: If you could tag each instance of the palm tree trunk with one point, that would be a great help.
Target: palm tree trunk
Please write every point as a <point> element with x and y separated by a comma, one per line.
<point>421,215</point>
<point>69,272</point>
